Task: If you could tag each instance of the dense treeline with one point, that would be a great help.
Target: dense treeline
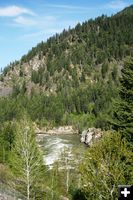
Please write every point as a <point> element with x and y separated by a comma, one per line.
<point>94,101</point>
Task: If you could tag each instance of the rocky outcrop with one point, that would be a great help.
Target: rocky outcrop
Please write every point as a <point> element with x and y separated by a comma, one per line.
<point>5,90</point>
<point>90,135</point>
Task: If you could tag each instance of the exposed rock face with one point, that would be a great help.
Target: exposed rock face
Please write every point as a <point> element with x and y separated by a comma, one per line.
<point>4,90</point>
<point>90,135</point>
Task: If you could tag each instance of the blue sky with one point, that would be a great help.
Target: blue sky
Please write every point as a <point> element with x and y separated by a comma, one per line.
<point>24,23</point>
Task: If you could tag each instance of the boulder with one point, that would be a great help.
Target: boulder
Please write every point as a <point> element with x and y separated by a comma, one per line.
<point>83,135</point>
<point>90,135</point>
<point>89,138</point>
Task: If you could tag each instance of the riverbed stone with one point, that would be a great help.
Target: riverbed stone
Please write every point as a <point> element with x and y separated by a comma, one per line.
<point>83,135</point>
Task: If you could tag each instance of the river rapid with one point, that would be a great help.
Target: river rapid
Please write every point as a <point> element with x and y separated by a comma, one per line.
<point>54,145</point>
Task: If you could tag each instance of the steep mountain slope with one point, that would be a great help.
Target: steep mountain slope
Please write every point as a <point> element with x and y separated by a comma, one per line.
<point>77,71</point>
<point>76,53</point>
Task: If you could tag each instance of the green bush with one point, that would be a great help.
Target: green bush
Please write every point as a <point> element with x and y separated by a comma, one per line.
<point>107,164</point>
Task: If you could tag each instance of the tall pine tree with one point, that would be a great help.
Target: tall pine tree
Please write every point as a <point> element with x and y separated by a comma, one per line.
<point>124,107</point>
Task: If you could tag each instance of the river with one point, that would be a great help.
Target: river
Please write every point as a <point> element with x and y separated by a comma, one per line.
<point>54,145</point>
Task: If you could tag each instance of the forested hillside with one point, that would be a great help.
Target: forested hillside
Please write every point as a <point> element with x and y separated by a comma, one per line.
<point>74,73</point>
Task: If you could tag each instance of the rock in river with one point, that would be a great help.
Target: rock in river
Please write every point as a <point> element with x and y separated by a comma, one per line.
<point>90,135</point>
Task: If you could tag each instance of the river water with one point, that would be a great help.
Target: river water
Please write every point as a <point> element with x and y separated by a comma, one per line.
<point>54,145</point>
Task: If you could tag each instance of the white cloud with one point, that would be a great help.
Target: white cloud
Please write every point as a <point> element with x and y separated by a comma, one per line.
<point>117,4</point>
<point>12,11</point>
<point>24,21</point>
<point>68,7</point>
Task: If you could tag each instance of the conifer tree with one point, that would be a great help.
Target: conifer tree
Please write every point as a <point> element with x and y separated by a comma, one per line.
<point>124,107</point>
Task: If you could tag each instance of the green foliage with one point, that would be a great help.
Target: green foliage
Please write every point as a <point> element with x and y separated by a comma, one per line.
<point>123,112</point>
<point>10,108</point>
<point>5,174</point>
<point>7,130</point>
<point>78,195</point>
<point>88,103</point>
<point>107,164</point>
<point>26,160</point>
<point>104,69</point>
<point>115,73</point>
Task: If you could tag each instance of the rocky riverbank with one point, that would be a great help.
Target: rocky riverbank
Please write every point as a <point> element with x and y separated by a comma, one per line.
<point>56,130</point>
<point>61,130</point>
<point>88,136</point>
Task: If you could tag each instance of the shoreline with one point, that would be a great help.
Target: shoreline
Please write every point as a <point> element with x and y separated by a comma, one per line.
<point>61,130</point>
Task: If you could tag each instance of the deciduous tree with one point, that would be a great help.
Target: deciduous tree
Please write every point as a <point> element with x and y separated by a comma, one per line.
<point>26,160</point>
